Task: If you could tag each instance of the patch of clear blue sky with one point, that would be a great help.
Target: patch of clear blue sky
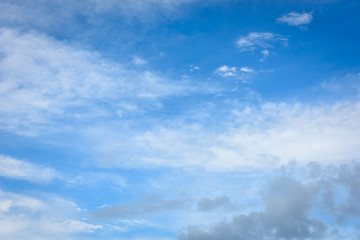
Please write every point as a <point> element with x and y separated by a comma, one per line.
<point>205,37</point>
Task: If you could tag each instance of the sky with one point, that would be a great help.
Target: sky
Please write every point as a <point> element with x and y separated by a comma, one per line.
<point>179,119</point>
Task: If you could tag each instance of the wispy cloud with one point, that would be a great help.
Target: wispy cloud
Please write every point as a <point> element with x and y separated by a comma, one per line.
<point>259,40</point>
<point>266,54</point>
<point>138,61</point>
<point>150,204</point>
<point>18,169</point>
<point>44,80</point>
<point>57,13</point>
<point>296,19</point>
<point>24,217</point>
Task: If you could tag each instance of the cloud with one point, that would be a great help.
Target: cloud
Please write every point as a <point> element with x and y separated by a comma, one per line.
<point>194,68</point>
<point>247,137</point>
<point>226,71</point>
<point>312,201</point>
<point>18,169</point>
<point>206,204</point>
<point>58,13</point>
<point>348,85</point>
<point>258,40</point>
<point>266,54</point>
<point>138,61</point>
<point>26,217</point>
<point>79,226</point>
<point>45,81</point>
<point>340,193</point>
<point>10,201</point>
<point>296,19</point>
<point>243,73</point>
<point>287,204</point>
<point>150,204</point>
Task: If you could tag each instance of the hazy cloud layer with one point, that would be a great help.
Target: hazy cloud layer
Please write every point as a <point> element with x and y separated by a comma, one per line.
<point>54,14</point>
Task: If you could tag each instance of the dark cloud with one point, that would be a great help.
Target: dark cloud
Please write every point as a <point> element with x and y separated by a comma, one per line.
<point>206,204</point>
<point>285,216</point>
<point>150,204</point>
<point>341,193</point>
<point>302,202</point>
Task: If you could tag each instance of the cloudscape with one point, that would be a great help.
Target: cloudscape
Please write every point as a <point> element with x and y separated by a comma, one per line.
<point>179,120</point>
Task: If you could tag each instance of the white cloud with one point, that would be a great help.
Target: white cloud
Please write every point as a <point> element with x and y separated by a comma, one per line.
<point>256,40</point>
<point>241,72</point>
<point>24,217</point>
<point>296,19</point>
<point>9,201</point>
<point>246,69</point>
<point>277,133</point>
<point>266,54</point>
<point>261,137</point>
<point>226,71</point>
<point>138,61</point>
<point>79,226</point>
<point>194,68</point>
<point>44,80</point>
<point>14,168</point>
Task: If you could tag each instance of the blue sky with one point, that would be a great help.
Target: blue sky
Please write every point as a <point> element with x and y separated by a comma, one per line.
<point>184,119</point>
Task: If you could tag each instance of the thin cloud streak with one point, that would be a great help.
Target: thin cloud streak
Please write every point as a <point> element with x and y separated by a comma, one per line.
<point>18,169</point>
<point>260,40</point>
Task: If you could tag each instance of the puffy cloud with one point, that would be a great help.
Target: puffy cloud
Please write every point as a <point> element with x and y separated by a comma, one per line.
<point>256,40</point>
<point>18,169</point>
<point>285,217</point>
<point>301,202</point>
<point>296,19</point>
<point>226,71</point>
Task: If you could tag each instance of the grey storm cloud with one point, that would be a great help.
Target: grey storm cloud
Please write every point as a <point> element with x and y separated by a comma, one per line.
<point>290,205</point>
<point>150,204</point>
